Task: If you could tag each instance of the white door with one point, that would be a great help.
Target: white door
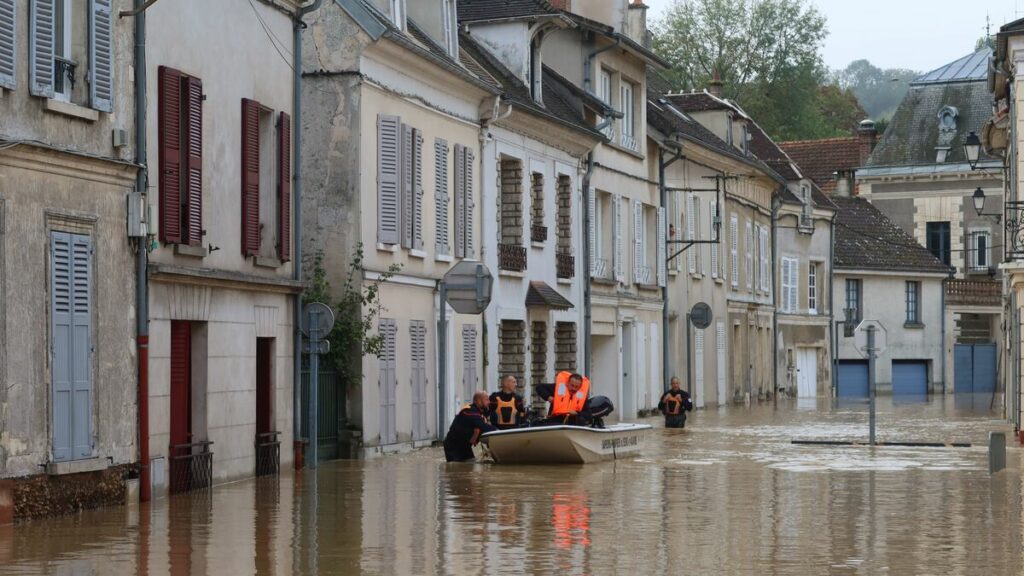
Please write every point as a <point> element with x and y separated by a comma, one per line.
<point>698,367</point>
<point>807,372</point>
<point>626,361</point>
<point>720,333</point>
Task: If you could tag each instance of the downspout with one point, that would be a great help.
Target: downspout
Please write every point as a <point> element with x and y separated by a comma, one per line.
<point>142,255</point>
<point>587,248</point>
<point>942,300</point>
<point>833,335</point>
<point>663,199</point>
<point>775,303</point>
<point>588,64</point>
<point>297,28</point>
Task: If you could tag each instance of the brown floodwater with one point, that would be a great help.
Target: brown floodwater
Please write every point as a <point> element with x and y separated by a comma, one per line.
<point>728,495</point>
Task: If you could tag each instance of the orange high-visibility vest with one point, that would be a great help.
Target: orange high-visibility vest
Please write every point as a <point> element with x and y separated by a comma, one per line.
<point>673,404</point>
<point>503,407</point>
<point>563,402</point>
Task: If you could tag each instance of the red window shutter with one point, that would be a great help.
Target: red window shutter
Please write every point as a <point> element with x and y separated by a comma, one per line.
<point>284,188</point>
<point>193,123</point>
<point>169,111</point>
<point>250,177</point>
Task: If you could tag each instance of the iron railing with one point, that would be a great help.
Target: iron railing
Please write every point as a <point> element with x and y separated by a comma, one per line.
<point>566,264</point>
<point>643,274</point>
<point>1014,230</point>
<point>512,257</point>
<point>331,415</point>
<point>538,233</point>
<point>191,466</point>
<point>268,453</point>
<point>63,73</point>
<point>974,293</point>
<point>599,269</point>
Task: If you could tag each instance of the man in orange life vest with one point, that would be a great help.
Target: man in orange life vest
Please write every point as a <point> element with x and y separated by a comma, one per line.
<point>569,399</point>
<point>506,406</point>
<point>675,403</point>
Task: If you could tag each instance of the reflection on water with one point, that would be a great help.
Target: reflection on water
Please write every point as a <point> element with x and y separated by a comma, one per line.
<point>729,494</point>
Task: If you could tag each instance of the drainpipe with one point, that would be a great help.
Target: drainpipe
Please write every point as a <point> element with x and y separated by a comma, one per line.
<point>297,28</point>
<point>588,64</point>
<point>942,300</point>
<point>775,301</point>
<point>833,335</point>
<point>142,255</point>
<point>587,314</point>
<point>663,199</point>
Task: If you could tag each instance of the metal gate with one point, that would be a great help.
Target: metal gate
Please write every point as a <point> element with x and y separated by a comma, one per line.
<point>330,412</point>
<point>974,381</point>
<point>852,379</point>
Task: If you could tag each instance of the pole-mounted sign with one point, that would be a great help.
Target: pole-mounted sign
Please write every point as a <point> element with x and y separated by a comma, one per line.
<point>870,340</point>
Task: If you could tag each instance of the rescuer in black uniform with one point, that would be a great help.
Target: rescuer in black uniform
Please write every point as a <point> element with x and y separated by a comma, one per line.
<point>506,407</point>
<point>674,404</point>
<point>466,429</point>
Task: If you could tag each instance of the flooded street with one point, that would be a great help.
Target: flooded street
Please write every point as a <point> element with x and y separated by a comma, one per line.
<point>728,495</point>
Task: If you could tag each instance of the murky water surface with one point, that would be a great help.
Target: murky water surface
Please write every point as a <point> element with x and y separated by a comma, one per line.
<point>729,495</point>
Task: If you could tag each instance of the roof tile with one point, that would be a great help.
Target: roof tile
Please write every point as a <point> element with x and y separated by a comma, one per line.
<point>866,240</point>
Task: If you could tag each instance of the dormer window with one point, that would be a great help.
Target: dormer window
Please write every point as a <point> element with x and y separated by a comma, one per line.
<point>398,13</point>
<point>941,153</point>
<point>947,118</point>
<point>451,27</point>
<point>536,87</point>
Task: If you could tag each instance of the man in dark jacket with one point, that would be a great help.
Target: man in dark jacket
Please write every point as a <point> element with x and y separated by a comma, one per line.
<point>466,429</point>
<point>674,404</point>
<point>505,406</point>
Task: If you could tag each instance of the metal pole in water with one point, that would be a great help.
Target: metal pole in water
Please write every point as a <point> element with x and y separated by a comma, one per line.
<point>314,384</point>
<point>442,361</point>
<point>871,383</point>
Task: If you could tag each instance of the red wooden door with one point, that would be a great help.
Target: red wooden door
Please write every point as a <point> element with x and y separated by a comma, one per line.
<point>264,388</point>
<point>181,402</point>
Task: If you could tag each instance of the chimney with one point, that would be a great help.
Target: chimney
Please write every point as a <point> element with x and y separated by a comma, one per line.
<point>867,137</point>
<point>636,22</point>
<point>715,86</point>
<point>562,4</point>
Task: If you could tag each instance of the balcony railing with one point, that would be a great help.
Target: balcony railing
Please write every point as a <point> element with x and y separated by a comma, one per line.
<point>538,233</point>
<point>643,274</point>
<point>512,257</point>
<point>628,142</point>
<point>974,293</point>
<point>599,269</point>
<point>566,265</point>
<point>191,466</point>
<point>268,453</point>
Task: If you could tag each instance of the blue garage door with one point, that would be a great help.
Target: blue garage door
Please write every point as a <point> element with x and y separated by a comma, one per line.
<point>974,375</point>
<point>909,378</point>
<point>853,379</point>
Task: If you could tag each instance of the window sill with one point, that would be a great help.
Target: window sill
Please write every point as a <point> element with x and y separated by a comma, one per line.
<point>73,110</point>
<point>603,280</point>
<point>393,248</point>
<point>418,254</point>
<point>443,258</point>
<point>625,150</point>
<point>565,281</point>
<point>193,251</point>
<point>539,245</point>
<point>511,274</point>
<point>76,466</point>
<point>673,272</point>
<point>696,276</point>
<point>913,325</point>
<point>266,262</point>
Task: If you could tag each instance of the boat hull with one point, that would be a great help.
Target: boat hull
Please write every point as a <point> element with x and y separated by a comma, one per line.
<point>565,444</point>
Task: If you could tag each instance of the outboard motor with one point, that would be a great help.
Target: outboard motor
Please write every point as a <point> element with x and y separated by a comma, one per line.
<point>600,406</point>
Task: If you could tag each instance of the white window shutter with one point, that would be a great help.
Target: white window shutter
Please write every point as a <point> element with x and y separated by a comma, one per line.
<point>40,47</point>
<point>592,229</point>
<point>638,241</point>
<point>691,232</point>
<point>8,43</point>
<point>701,263</point>
<point>388,163</point>
<point>677,223</point>
<point>470,204</point>
<point>441,242</point>
<point>620,273</point>
<point>460,201</point>
<point>734,241</point>
<point>750,255</point>
<point>794,291</point>
<point>660,251</point>
<point>787,284</point>
<point>715,248</point>
<point>101,56</point>
<point>765,260</point>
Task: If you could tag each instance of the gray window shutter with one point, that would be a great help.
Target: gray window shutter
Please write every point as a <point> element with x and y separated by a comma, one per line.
<point>417,203</point>
<point>620,272</point>
<point>40,48</point>
<point>691,232</point>
<point>638,242</point>
<point>468,202</point>
<point>388,161</point>
<point>101,54</point>
<point>592,229</point>
<point>661,256</point>
<point>8,43</point>
<point>418,339</point>
<point>460,201</point>
<point>441,245</point>
<point>468,361</point>
<point>408,193</point>
<point>71,307</point>
<point>388,380</point>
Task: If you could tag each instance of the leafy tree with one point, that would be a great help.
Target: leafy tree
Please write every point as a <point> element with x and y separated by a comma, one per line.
<point>840,109</point>
<point>878,91</point>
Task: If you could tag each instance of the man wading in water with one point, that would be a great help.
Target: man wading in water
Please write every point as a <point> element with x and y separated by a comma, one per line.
<point>466,429</point>
<point>675,403</point>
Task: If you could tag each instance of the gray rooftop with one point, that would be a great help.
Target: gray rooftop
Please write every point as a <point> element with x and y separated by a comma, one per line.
<point>969,68</point>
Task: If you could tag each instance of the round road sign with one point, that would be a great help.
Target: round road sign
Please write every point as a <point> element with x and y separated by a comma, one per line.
<point>700,315</point>
<point>317,316</point>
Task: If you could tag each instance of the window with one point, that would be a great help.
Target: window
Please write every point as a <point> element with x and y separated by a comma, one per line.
<point>854,313</point>
<point>938,240</point>
<point>563,214</point>
<point>750,255</point>
<point>266,181</point>
<point>913,299</point>
<point>538,231</point>
<point>451,33</point>
<point>64,41</point>
<point>765,260</point>
<point>71,347</point>
<point>180,112</point>
<point>511,174</point>
<point>790,284</point>
<point>398,13</point>
<point>597,231</point>
<point>399,183</point>
<point>978,250</point>
<point>628,138</point>
<point>812,288</point>
<point>604,92</point>
<point>536,69</point>
<point>734,232</point>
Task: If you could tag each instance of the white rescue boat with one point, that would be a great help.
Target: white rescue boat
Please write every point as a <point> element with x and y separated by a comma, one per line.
<point>563,444</point>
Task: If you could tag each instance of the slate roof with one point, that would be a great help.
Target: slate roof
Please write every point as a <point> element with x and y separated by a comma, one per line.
<point>819,159</point>
<point>700,102</point>
<point>762,146</point>
<point>913,133</point>
<point>543,295</point>
<point>477,10</point>
<point>866,240</point>
<point>966,69</point>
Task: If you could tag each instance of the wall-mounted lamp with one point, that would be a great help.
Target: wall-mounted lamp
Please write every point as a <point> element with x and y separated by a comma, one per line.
<point>979,204</point>
<point>972,149</point>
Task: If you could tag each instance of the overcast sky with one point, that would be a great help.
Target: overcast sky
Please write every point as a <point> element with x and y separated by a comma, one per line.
<point>917,34</point>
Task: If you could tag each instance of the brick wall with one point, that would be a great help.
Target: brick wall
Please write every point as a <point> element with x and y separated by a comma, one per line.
<point>512,350</point>
<point>539,353</point>
<point>564,215</point>
<point>511,202</point>
<point>565,347</point>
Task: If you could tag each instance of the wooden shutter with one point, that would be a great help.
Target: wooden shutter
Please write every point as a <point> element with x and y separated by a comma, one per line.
<point>469,202</point>
<point>193,159</point>
<point>592,229</point>
<point>408,190</point>
<point>250,177</point>
<point>169,112</point>
<point>786,282</point>
<point>460,201</point>
<point>388,165</point>
<point>71,347</point>
<point>639,256</point>
<point>750,254</point>
<point>417,339</point>
<point>388,380</point>
<point>620,272</point>
<point>284,187</point>
<point>468,361</point>
<point>794,281</point>
<point>417,201</point>
<point>765,260</point>
<point>715,248</point>
<point>441,240</point>
<point>691,231</point>
<point>8,44</point>
<point>40,47</point>
<point>698,361</point>
<point>101,53</point>
<point>721,349</point>
<point>734,233</point>
<point>660,248</point>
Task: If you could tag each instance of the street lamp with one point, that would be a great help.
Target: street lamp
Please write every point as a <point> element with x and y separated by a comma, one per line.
<point>979,204</point>
<point>972,149</point>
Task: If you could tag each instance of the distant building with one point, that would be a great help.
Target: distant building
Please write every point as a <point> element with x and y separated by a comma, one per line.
<point>832,162</point>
